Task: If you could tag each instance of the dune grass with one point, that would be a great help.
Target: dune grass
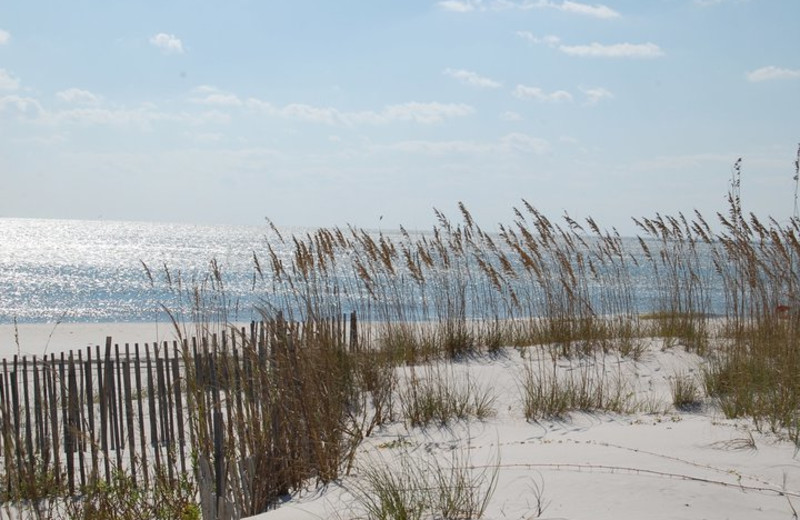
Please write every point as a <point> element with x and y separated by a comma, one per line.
<point>435,396</point>
<point>416,486</point>
<point>592,384</point>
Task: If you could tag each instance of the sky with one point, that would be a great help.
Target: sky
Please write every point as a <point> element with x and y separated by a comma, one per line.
<point>372,113</point>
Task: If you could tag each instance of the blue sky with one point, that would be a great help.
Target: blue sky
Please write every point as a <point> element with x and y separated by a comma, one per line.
<point>328,113</point>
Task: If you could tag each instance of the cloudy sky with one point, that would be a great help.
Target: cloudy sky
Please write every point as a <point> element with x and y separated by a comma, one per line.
<point>328,113</point>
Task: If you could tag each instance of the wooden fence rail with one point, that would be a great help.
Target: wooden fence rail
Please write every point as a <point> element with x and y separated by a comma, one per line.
<point>148,410</point>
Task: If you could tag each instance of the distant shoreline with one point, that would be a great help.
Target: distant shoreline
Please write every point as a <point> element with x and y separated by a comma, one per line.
<point>47,338</point>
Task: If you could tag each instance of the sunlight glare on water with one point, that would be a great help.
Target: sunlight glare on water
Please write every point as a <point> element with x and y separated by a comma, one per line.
<point>92,270</point>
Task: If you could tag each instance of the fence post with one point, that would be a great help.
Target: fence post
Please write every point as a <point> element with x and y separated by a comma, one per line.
<point>218,459</point>
<point>28,427</point>
<point>15,411</point>
<point>52,385</point>
<point>90,405</point>
<point>126,378</point>
<point>71,403</point>
<point>142,435</point>
<point>102,391</point>
<point>14,417</point>
<point>4,407</point>
<point>7,444</point>
<point>118,410</point>
<point>179,407</point>
<point>153,417</point>
<point>166,403</point>
<point>80,417</point>
<point>353,332</point>
<point>162,410</point>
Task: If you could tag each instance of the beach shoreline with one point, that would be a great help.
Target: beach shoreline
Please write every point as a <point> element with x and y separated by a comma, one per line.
<point>28,339</point>
<point>39,339</point>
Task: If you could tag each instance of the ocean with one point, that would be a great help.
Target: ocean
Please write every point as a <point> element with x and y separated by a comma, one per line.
<point>94,271</point>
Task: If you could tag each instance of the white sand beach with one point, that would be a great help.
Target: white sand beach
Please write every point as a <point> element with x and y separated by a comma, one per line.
<point>605,467</point>
<point>665,465</point>
<point>655,463</point>
<point>26,339</point>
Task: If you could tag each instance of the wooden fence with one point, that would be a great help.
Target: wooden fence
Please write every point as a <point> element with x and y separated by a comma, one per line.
<point>82,415</point>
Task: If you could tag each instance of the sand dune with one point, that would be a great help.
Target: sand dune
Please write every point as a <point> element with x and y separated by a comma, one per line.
<point>667,465</point>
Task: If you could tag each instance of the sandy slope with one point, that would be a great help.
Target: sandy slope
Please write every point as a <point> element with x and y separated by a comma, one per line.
<point>671,465</point>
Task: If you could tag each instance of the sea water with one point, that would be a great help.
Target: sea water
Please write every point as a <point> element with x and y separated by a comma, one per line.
<point>108,271</point>
<point>97,271</point>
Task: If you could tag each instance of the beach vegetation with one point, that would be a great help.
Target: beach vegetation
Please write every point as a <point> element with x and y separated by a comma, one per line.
<point>414,486</point>
<point>551,389</point>
<point>436,396</point>
<point>686,395</point>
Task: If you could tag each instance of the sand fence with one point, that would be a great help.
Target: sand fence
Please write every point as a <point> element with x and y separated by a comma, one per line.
<point>160,410</point>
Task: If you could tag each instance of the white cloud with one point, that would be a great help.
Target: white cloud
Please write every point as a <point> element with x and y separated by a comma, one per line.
<point>597,94</point>
<point>169,43</point>
<point>511,143</point>
<point>772,72</point>
<point>7,81</point>
<point>312,114</point>
<point>465,6</point>
<point>297,111</point>
<point>205,137</point>
<point>78,96</point>
<point>525,143</point>
<point>43,140</point>
<point>260,106</point>
<point>86,109</point>
<point>20,106</point>
<point>5,37</point>
<point>679,162</point>
<point>536,93</point>
<point>213,117</point>
<point>510,116</point>
<point>551,41</point>
<point>205,89</point>
<point>423,113</point>
<point>708,3</point>
<point>472,78</point>
<point>105,116</point>
<point>597,11</point>
<point>617,50</point>
<point>458,6</point>
<point>436,147</point>
<point>207,95</point>
<point>224,100</point>
<point>142,116</point>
